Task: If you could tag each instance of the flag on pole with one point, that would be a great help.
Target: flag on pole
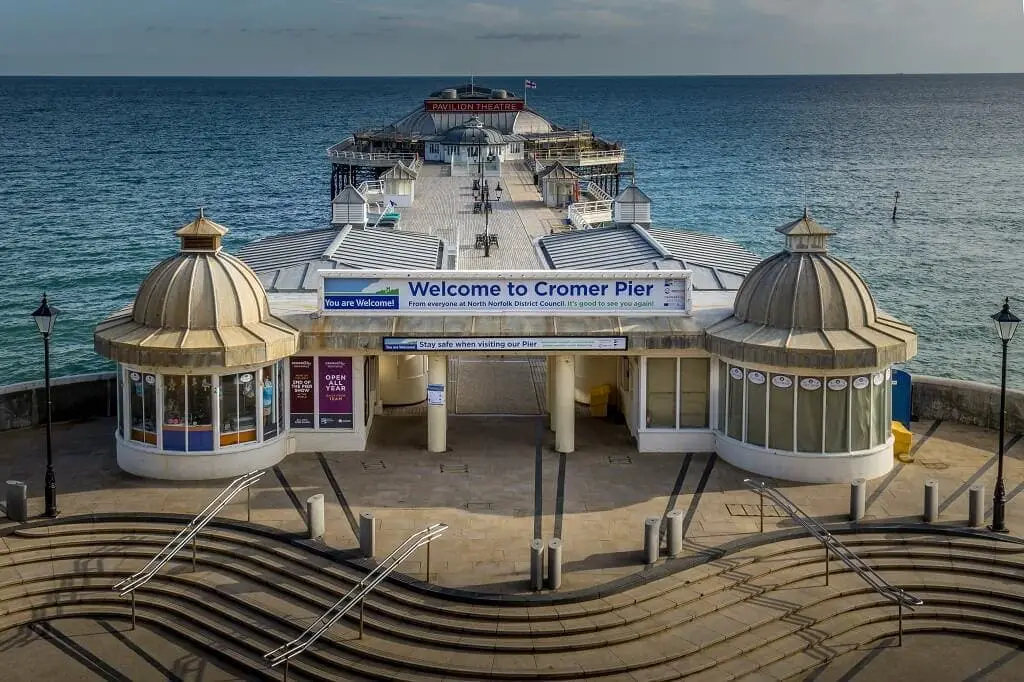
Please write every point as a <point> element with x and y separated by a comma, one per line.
<point>531,85</point>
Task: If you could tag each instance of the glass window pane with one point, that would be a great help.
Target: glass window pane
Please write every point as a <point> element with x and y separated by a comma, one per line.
<point>735,421</point>
<point>860,417</point>
<point>757,393</point>
<point>174,412</point>
<point>142,404</point>
<point>269,402</point>
<point>780,417</point>
<point>809,403</point>
<point>248,411</point>
<point>837,404</point>
<point>879,434</point>
<point>661,393</point>
<point>229,410</point>
<point>723,378</point>
<point>280,395</point>
<point>120,401</point>
<point>200,414</point>
<point>694,386</point>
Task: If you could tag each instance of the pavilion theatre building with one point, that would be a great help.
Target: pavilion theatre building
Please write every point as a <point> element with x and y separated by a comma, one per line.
<point>786,375</point>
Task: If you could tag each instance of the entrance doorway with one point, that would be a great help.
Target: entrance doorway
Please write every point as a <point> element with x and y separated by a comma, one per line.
<point>497,385</point>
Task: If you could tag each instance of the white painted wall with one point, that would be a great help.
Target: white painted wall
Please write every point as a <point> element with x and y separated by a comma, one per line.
<point>806,467</point>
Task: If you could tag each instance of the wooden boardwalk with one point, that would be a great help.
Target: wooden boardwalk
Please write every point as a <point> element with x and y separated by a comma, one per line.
<point>444,208</point>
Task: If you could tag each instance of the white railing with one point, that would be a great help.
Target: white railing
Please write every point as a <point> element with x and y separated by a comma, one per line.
<point>356,595</point>
<point>580,158</point>
<point>585,213</point>
<point>897,595</point>
<point>344,155</point>
<point>594,190</point>
<point>187,534</point>
<point>371,187</point>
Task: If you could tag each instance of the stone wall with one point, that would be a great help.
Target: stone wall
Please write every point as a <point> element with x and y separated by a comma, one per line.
<point>966,402</point>
<point>74,397</point>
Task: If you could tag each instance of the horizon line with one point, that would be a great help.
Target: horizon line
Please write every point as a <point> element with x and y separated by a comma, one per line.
<point>564,75</point>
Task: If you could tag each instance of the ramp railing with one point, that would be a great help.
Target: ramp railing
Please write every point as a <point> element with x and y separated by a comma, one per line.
<point>187,534</point>
<point>833,546</point>
<point>356,595</point>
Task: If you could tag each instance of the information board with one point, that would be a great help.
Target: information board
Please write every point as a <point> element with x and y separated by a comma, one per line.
<point>505,344</point>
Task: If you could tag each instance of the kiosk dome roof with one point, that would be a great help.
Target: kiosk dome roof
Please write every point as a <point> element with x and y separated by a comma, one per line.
<point>199,308</point>
<point>805,308</point>
<point>473,132</point>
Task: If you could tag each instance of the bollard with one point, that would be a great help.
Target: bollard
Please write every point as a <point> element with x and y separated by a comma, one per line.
<point>315,516</point>
<point>17,501</point>
<point>976,515</point>
<point>858,496</point>
<point>536,564</point>
<point>554,564</point>
<point>652,528</point>
<point>675,533</point>
<point>367,534</point>
<point>931,501</point>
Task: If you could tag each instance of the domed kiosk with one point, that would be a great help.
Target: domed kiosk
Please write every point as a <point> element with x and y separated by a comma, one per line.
<point>804,367</point>
<point>200,385</point>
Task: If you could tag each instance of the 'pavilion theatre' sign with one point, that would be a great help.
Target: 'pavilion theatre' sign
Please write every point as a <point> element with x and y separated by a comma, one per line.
<point>454,106</point>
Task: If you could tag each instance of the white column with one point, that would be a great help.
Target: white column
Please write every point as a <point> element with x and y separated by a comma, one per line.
<point>564,409</point>
<point>437,407</point>
<point>550,386</point>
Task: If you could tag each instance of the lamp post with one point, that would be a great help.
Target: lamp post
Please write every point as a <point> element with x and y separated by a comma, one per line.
<point>485,198</point>
<point>45,317</point>
<point>1006,324</point>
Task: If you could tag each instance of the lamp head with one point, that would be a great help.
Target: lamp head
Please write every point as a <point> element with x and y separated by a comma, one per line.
<point>1005,322</point>
<point>45,317</point>
<point>497,191</point>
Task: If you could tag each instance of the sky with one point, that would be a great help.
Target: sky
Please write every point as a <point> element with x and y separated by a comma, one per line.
<point>512,37</point>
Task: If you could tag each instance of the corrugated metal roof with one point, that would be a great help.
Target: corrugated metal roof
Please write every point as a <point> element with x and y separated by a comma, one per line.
<point>716,263</point>
<point>388,249</point>
<point>290,262</point>
<point>705,249</point>
<point>285,250</point>
<point>601,248</point>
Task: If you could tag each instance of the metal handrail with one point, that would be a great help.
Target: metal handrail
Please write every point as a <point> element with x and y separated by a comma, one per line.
<point>895,594</point>
<point>594,190</point>
<point>188,533</point>
<point>286,652</point>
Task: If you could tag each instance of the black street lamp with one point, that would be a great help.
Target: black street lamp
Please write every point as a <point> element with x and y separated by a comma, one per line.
<point>485,198</point>
<point>45,317</point>
<point>1006,324</point>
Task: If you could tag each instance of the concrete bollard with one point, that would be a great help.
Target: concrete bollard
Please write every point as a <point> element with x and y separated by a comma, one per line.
<point>536,564</point>
<point>315,516</point>
<point>931,501</point>
<point>976,514</point>
<point>858,498</point>
<point>652,540</point>
<point>367,534</point>
<point>554,564</point>
<point>17,501</point>
<point>675,532</point>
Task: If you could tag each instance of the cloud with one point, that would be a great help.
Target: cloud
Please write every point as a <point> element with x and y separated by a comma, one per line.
<point>539,37</point>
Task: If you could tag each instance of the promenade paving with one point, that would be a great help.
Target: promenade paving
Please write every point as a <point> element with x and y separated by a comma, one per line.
<point>595,499</point>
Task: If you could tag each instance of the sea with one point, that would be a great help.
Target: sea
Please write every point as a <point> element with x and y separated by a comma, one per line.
<point>96,174</point>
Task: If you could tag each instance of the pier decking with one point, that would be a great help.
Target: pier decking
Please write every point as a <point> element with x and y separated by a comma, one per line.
<point>444,209</point>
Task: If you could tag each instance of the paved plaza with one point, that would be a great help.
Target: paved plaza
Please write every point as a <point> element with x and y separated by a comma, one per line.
<point>496,493</point>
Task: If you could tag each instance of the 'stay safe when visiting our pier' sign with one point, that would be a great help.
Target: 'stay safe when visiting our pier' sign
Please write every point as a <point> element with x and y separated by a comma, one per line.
<point>487,293</point>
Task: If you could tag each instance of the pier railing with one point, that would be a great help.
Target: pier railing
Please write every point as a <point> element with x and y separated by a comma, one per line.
<point>338,155</point>
<point>571,157</point>
<point>186,535</point>
<point>356,595</point>
<point>587,213</point>
<point>371,187</point>
<point>897,595</point>
<point>594,190</point>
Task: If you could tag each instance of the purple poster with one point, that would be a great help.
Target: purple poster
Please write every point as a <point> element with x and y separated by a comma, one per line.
<point>300,371</point>
<point>335,393</point>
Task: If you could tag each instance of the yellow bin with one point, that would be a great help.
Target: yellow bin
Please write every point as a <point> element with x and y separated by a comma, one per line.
<point>599,396</point>
<point>904,439</point>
